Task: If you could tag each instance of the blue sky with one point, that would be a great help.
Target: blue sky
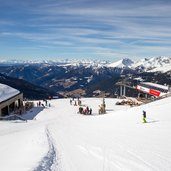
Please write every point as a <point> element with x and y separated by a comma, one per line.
<point>79,29</point>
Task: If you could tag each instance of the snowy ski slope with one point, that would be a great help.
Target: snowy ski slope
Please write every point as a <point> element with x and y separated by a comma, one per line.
<point>59,139</point>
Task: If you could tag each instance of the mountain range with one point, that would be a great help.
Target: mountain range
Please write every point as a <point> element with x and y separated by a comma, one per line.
<point>158,64</point>
<point>161,64</point>
<point>88,78</point>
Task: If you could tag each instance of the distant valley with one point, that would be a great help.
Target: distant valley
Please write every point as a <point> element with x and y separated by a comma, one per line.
<point>88,78</point>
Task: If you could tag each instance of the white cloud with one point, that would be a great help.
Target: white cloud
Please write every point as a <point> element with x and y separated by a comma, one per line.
<point>111,27</point>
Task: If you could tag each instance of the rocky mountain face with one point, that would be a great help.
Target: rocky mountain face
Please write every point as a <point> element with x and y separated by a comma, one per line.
<point>89,78</point>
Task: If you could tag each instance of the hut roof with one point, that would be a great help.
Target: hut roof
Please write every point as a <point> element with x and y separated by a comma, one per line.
<point>7,92</point>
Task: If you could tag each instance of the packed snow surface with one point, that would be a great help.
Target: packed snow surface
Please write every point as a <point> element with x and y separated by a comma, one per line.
<point>7,92</point>
<point>57,138</point>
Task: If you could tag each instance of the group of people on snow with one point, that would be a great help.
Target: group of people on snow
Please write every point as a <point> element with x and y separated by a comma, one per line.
<point>102,108</point>
<point>85,110</point>
<point>82,108</point>
<point>45,104</point>
<point>75,102</point>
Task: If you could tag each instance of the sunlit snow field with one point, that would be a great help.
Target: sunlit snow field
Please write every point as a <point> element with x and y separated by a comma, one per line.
<point>57,138</point>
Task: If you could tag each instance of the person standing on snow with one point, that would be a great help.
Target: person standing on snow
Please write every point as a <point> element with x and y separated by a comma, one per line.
<point>90,111</point>
<point>144,116</point>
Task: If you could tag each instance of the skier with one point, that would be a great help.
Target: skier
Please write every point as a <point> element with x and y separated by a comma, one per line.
<point>144,116</point>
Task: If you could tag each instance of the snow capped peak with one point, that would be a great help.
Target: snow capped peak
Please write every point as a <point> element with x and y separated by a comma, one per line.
<point>127,61</point>
<point>123,63</point>
<point>160,60</point>
<point>156,64</point>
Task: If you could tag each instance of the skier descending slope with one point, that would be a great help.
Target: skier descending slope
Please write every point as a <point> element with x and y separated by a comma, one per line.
<point>144,117</point>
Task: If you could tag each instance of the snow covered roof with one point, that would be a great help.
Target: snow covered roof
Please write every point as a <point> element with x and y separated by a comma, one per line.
<point>156,85</point>
<point>7,92</point>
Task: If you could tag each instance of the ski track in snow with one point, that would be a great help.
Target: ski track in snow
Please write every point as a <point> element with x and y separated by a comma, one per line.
<point>49,162</point>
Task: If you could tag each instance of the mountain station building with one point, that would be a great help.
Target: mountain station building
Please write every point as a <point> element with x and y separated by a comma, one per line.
<point>10,100</point>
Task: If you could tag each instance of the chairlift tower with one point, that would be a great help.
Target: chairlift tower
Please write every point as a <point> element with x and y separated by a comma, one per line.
<point>123,85</point>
